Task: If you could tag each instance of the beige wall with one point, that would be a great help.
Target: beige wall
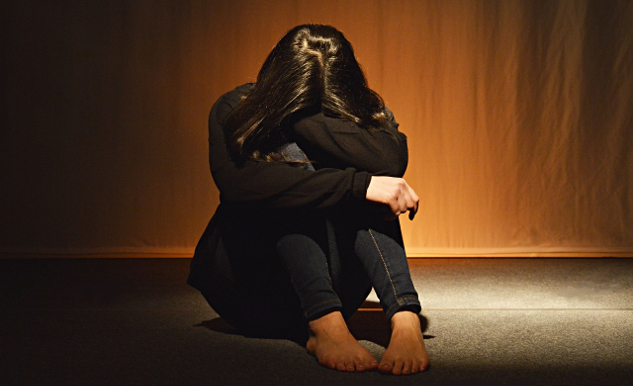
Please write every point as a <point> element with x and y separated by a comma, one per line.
<point>519,116</point>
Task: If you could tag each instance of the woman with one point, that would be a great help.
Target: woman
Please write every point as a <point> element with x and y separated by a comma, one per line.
<point>307,161</point>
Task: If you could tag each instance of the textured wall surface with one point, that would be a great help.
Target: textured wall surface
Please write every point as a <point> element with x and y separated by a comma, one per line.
<point>519,117</point>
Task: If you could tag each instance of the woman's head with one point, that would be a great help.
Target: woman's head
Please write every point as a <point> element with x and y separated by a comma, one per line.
<point>312,69</point>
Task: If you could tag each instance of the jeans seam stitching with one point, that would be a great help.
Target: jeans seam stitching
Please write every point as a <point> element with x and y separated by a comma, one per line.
<point>395,294</point>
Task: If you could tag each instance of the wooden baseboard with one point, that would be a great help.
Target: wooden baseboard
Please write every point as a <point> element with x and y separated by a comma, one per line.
<point>553,255</point>
<point>184,253</point>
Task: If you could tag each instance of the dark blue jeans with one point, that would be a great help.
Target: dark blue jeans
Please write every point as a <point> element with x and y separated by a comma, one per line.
<point>352,237</point>
<point>367,250</point>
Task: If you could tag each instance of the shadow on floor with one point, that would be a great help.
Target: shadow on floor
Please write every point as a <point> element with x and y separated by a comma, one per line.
<point>369,323</point>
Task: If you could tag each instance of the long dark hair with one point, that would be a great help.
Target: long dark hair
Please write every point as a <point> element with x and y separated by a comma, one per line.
<point>312,69</point>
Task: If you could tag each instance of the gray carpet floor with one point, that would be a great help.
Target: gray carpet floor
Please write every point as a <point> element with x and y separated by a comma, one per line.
<point>490,322</point>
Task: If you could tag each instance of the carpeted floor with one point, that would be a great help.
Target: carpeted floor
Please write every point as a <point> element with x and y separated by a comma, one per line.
<point>490,322</point>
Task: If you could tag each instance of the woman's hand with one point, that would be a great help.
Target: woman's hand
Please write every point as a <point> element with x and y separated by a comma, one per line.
<point>394,192</point>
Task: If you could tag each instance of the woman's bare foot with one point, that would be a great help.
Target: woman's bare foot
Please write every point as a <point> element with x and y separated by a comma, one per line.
<point>335,347</point>
<point>406,353</point>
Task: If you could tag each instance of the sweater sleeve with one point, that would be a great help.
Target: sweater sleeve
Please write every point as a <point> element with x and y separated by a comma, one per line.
<point>338,143</point>
<point>275,184</point>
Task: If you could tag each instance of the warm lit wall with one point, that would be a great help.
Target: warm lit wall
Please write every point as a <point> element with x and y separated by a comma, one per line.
<point>519,116</point>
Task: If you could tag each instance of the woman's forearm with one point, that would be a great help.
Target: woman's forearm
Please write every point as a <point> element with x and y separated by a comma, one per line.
<point>338,143</point>
<point>275,184</point>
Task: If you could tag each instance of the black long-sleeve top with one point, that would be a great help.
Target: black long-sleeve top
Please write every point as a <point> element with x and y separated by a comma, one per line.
<point>345,156</point>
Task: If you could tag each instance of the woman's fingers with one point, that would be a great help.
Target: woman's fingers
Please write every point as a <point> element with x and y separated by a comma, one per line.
<point>395,193</point>
<point>413,203</point>
<point>408,200</point>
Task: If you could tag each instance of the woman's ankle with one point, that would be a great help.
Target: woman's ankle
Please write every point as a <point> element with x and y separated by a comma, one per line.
<point>327,321</point>
<point>405,319</point>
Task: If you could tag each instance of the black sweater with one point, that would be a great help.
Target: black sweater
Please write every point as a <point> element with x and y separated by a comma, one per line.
<point>255,197</point>
<point>345,156</point>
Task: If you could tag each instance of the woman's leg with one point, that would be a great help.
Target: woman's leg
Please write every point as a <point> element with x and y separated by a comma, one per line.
<point>381,250</point>
<point>309,274</point>
<point>237,269</point>
<point>378,246</point>
<point>324,284</point>
<point>330,340</point>
<point>325,277</point>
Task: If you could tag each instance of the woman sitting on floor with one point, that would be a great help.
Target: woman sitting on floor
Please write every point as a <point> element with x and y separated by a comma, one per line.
<point>309,161</point>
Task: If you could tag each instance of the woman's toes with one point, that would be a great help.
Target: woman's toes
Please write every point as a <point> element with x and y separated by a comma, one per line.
<point>397,368</point>
<point>406,368</point>
<point>385,367</point>
<point>360,366</point>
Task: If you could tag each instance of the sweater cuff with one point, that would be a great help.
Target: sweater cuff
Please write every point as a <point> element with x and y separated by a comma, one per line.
<point>361,183</point>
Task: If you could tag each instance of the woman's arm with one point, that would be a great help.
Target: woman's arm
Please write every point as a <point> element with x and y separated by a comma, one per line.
<point>279,185</point>
<point>275,184</point>
<point>338,143</point>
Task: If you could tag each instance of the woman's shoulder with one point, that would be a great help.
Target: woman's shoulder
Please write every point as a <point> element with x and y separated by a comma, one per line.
<point>227,101</point>
<point>234,96</point>
<point>241,91</point>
